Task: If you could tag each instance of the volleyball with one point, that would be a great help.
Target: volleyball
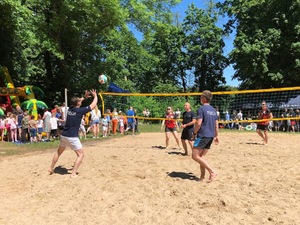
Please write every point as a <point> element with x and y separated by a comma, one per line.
<point>102,79</point>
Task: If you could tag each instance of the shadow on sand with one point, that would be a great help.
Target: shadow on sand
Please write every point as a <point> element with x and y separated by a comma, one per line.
<point>159,147</point>
<point>183,175</point>
<point>177,153</point>
<point>61,170</point>
<point>252,143</point>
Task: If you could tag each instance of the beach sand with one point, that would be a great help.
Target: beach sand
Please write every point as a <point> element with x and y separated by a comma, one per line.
<point>132,180</point>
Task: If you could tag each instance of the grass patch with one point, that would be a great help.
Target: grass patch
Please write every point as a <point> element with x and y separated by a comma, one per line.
<point>9,149</point>
<point>146,128</point>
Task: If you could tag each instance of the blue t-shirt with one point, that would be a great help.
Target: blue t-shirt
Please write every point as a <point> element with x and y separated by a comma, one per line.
<point>74,116</point>
<point>209,116</point>
<point>130,113</point>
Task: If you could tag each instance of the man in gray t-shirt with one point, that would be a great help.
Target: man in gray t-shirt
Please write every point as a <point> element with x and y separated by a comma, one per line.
<point>205,131</point>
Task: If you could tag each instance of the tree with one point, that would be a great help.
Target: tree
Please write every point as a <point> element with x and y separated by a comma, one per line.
<point>204,46</point>
<point>267,46</point>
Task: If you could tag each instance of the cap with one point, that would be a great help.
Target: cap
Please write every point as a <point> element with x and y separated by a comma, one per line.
<point>207,94</point>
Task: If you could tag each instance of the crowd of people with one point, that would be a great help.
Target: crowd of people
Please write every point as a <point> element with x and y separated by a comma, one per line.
<point>19,126</point>
<point>231,121</point>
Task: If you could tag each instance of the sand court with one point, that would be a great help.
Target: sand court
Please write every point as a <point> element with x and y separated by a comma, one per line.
<point>132,180</point>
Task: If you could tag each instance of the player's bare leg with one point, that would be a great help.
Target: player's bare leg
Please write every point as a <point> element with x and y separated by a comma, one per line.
<point>176,138</point>
<point>261,135</point>
<point>191,143</point>
<point>266,137</point>
<point>184,145</point>
<point>167,138</point>
<point>56,156</point>
<point>78,161</point>
<point>198,155</point>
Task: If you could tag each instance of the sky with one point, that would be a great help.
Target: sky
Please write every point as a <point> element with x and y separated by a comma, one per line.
<point>183,6</point>
<point>180,9</point>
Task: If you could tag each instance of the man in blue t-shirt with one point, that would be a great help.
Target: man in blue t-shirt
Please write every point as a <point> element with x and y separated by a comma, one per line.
<point>130,120</point>
<point>205,131</point>
<point>69,135</point>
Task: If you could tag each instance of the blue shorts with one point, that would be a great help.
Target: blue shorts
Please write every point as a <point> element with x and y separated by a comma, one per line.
<point>95,122</point>
<point>203,143</point>
<point>40,130</point>
<point>131,125</point>
<point>32,132</point>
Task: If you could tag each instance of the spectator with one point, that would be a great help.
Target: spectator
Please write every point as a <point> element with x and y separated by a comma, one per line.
<point>25,128</point>
<point>53,126</point>
<point>40,125</point>
<point>105,125</point>
<point>121,122</point>
<point>32,125</point>
<point>130,120</point>
<point>82,130</point>
<point>178,116</point>
<point>115,120</point>
<point>227,120</point>
<point>13,127</point>
<point>47,126</point>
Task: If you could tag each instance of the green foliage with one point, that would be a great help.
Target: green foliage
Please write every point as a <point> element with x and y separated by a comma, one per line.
<point>204,45</point>
<point>58,44</point>
<point>266,52</point>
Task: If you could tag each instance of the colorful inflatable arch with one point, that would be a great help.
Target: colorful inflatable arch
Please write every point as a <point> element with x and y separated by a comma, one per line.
<point>13,95</point>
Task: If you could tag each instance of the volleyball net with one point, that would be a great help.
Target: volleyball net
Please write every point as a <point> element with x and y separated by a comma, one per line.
<point>284,104</point>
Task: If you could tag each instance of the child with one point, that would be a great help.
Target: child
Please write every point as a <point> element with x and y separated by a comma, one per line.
<point>32,126</point>
<point>40,125</point>
<point>25,136</point>
<point>121,122</point>
<point>53,126</point>
<point>13,127</point>
<point>104,122</point>
<point>82,131</point>
<point>2,128</point>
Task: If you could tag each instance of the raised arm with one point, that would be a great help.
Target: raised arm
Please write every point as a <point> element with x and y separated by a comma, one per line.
<point>95,96</point>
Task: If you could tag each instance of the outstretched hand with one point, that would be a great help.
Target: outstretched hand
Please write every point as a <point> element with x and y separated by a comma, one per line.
<point>88,94</point>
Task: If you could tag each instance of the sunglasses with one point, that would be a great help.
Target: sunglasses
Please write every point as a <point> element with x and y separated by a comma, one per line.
<point>168,108</point>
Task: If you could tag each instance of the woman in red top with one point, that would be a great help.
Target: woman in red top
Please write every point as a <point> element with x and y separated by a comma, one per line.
<point>266,115</point>
<point>170,126</point>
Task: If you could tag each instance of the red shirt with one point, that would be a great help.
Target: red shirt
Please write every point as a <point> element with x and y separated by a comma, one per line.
<point>264,114</point>
<point>170,121</point>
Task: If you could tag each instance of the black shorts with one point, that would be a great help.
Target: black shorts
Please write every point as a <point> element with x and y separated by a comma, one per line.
<point>167,129</point>
<point>203,143</point>
<point>262,127</point>
<point>187,134</point>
